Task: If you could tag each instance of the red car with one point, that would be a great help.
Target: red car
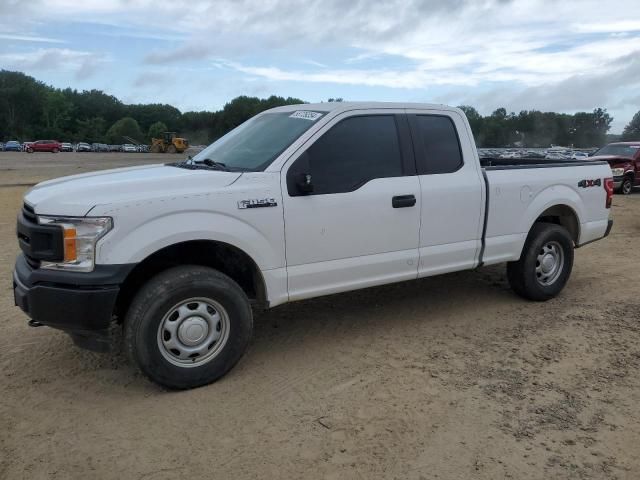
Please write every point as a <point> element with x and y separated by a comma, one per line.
<point>624,159</point>
<point>45,146</point>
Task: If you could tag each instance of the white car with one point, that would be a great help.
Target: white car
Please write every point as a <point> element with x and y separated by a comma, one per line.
<point>127,147</point>
<point>579,155</point>
<point>299,201</point>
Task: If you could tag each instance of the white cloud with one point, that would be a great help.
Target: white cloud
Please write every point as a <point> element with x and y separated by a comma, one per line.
<point>524,47</point>
<point>82,64</point>
<point>29,38</point>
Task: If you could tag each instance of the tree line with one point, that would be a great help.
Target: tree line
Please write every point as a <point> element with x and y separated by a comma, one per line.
<point>30,110</point>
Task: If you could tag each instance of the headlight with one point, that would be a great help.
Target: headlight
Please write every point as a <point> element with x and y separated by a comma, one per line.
<point>617,172</point>
<point>80,236</point>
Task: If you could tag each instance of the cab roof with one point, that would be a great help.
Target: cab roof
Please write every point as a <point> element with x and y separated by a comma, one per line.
<point>337,107</point>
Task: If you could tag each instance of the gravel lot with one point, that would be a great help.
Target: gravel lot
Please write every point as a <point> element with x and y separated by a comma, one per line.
<point>452,377</point>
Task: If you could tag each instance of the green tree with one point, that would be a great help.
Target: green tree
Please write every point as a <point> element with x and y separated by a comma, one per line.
<point>21,100</point>
<point>475,120</point>
<point>125,127</point>
<point>56,114</point>
<point>632,131</point>
<point>90,130</point>
<point>156,130</point>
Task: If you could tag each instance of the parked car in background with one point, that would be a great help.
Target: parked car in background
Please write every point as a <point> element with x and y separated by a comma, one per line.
<point>83,147</point>
<point>128,147</point>
<point>66,147</point>
<point>114,148</point>
<point>558,153</point>
<point>1,147</point>
<point>624,160</point>
<point>12,146</point>
<point>99,147</point>
<point>25,146</point>
<point>53,146</point>
<point>579,155</point>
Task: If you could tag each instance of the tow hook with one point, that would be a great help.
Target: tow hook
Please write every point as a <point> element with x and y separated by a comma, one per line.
<point>33,323</point>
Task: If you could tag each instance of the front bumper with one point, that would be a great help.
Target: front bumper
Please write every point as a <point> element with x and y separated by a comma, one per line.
<point>617,182</point>
<point>81,304</point>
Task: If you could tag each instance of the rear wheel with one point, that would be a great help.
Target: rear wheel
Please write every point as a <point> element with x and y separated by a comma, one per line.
<point>172,149</point>
<point>188,326</point>
<point>545,264</point>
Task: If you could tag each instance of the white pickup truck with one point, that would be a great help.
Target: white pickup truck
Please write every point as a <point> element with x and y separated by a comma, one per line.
<point>297,202</point>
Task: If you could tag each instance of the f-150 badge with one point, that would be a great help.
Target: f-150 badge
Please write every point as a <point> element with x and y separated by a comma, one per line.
<point>257,203</point>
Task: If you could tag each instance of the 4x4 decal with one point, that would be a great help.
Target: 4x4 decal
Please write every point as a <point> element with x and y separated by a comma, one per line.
<point>590,183</point>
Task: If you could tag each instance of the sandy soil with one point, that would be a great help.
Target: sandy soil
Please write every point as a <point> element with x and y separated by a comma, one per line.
<point>452,377</point>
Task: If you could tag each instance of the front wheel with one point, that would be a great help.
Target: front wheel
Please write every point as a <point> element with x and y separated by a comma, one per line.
<point>545,264</point>
<point>627,186</point>
<point>188,326</point>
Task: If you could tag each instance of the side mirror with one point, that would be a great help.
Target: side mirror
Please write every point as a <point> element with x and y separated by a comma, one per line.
<point>304,183</point>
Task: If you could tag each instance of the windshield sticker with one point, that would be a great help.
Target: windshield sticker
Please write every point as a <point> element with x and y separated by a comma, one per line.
<point>306,114</point>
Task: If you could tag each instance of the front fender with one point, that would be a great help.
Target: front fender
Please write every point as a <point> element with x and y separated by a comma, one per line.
<point>132,241</point>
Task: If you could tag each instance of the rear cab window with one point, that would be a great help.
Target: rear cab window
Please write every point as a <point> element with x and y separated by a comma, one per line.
<point>437,144</point>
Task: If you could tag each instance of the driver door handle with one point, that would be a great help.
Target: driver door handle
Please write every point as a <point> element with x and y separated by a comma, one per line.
<point>403,201</point>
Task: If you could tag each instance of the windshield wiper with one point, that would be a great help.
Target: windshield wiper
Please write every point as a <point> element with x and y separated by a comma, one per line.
<point>213,164</point>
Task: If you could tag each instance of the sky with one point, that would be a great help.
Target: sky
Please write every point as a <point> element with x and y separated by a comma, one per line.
<point>551,55</point>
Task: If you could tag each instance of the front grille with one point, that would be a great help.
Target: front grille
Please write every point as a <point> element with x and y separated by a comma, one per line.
<point>29,213</point>
<point>33,263</point>
<point>38,242</point>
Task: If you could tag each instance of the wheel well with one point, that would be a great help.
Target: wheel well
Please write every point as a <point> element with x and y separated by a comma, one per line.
<point>225,258</point>
<point>564,216</point>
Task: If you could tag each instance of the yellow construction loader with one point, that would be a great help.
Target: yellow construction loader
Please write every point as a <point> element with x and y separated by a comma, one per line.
<point>169,143</point>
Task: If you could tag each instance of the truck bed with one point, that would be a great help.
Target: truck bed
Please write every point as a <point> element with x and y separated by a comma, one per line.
<point>516,196</point>
<point>492,163</point>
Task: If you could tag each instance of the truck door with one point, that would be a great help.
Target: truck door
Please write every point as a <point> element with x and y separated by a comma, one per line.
<point>352,206</point>
<point>452,192</point>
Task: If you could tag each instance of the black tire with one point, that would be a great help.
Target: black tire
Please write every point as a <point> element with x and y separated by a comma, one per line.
<point>155,301</point>
<point>627,186</point>
<point>522,275</point>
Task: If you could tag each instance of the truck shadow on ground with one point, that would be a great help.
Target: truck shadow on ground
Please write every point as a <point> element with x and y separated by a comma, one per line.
<point>365,314</point>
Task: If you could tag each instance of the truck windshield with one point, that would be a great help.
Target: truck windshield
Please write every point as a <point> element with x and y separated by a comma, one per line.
<point>252,146</point>
<point>619,150</point>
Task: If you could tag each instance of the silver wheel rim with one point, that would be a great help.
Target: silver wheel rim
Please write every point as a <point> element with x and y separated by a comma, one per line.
<point>193,332</point>
<point>549,263</point>
<point>626,187</point>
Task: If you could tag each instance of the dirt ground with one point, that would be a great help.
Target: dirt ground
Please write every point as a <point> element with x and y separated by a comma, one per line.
<point>452,377</point>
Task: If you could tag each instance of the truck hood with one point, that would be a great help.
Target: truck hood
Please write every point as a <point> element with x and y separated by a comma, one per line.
<point>76,195</point>
<point>611,159</point>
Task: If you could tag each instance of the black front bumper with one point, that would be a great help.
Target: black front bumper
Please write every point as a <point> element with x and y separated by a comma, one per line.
<point>81,304</point>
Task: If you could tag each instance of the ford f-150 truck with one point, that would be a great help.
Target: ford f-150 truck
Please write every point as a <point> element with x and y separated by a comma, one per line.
<point>297,202</point>
<point>624,160</point>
